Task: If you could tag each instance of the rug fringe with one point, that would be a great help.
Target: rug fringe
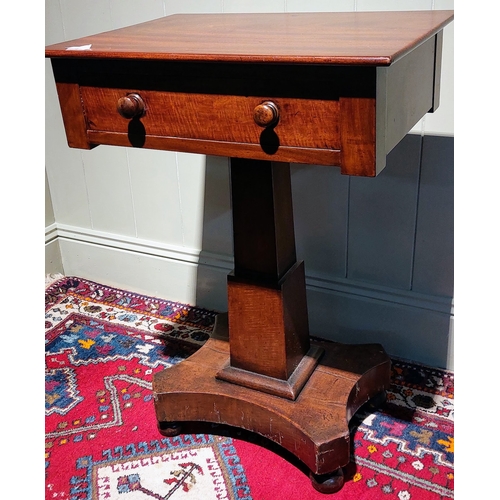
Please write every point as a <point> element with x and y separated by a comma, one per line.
<point>51,278</point>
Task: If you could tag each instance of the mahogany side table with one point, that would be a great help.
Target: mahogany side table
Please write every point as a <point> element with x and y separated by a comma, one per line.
<point>333,89</point>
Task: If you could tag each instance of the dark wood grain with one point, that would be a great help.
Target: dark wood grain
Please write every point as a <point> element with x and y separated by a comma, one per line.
<point>359,38</point>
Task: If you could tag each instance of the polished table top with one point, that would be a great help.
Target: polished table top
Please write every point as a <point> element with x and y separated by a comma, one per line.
<point>353,38</point>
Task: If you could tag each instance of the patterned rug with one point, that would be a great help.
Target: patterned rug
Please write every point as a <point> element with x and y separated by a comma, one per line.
<point>103,346</point>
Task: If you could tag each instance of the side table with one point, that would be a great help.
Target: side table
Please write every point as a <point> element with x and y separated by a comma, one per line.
<point>333,89</point>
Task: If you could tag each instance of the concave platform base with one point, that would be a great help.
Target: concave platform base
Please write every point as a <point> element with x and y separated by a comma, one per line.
<point>313,427</point>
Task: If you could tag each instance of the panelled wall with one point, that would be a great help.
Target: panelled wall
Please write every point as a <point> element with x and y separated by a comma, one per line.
<point>378,252</point>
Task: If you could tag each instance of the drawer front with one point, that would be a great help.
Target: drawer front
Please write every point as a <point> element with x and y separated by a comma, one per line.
<point>302,123</point>
<point>326,114</point>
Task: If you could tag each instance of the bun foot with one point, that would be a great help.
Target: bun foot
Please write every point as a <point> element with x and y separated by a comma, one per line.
<point>379,399</point>
<point>328,483</point>
<point>169,429</point>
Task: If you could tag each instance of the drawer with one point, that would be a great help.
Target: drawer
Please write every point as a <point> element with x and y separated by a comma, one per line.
<point>300,123</point>
<point>210,108</point>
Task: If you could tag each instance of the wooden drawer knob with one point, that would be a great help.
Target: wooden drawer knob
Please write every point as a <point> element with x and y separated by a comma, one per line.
<point>131,106</point>
<point>266,114</point>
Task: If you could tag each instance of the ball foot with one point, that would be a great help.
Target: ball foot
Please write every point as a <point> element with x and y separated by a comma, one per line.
<point>328,483</point>
<point>378,400</point>
<point>169,429</point>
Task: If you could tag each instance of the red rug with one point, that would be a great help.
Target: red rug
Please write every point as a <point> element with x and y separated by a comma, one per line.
<point>103,346</point>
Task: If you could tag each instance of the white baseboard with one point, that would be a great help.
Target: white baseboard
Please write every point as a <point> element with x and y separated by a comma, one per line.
<point>50,233</point>
<point>53,261</point>
<point>409,325</point>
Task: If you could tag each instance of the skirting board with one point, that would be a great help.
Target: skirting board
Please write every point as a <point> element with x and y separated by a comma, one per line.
<point>411,326</point>
<point>53,262</point>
